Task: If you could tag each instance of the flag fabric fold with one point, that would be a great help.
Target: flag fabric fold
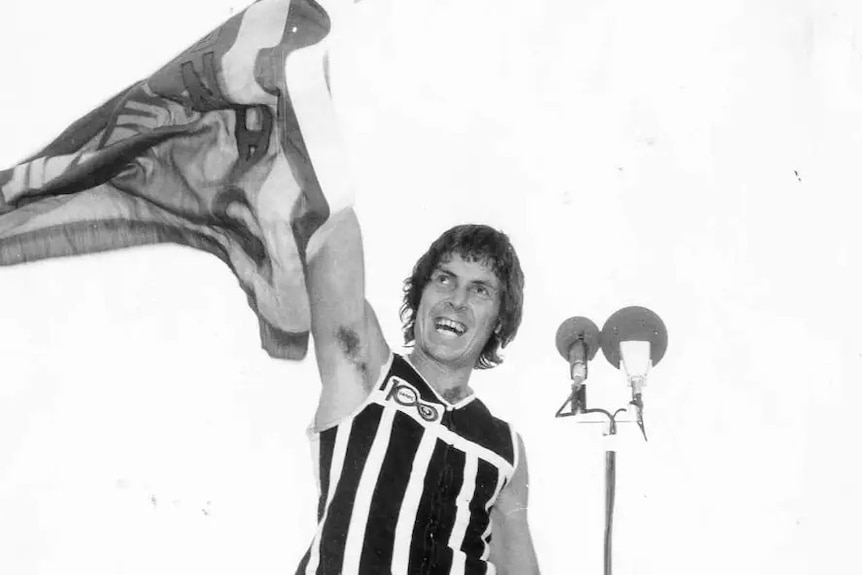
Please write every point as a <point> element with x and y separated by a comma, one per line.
<point>208,152</point>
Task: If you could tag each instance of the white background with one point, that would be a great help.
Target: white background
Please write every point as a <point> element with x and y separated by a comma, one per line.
<point>700,159</point>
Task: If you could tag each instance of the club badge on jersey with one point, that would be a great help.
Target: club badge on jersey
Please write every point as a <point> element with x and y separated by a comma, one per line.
<point>408,396</point>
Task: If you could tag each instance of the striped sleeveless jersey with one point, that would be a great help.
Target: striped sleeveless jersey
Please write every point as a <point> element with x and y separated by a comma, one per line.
<point>407,483</point>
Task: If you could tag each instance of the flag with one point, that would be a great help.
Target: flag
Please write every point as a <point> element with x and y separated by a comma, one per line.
<point>208,152</point>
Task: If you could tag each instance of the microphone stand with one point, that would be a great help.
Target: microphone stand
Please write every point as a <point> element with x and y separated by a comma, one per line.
<point>634,339</point>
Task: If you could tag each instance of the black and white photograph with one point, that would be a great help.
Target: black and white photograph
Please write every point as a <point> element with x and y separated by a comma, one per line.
<point>430,287</point>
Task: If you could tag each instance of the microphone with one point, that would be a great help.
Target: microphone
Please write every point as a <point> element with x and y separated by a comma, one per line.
<point>636,339</point>
<point>577,341</point>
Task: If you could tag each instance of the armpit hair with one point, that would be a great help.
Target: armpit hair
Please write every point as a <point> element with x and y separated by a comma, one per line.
<point>351,346</point>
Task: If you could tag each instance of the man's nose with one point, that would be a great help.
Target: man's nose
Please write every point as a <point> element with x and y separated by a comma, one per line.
<point>458,299</point>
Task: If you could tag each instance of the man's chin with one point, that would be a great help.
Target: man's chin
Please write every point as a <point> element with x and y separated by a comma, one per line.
<point>455,356</point>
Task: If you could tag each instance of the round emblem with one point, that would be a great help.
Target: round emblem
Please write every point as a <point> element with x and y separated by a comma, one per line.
<point>406,395</point>
<point>427,412</point>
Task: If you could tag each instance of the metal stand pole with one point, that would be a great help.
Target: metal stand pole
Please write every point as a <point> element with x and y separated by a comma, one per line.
<point>610,491</point>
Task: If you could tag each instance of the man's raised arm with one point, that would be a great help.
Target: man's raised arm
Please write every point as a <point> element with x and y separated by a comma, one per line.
<point>348,343</point>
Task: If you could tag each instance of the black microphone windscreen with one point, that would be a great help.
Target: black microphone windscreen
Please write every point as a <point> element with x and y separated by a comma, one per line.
<point>576,328</point>
<point>633,323</point>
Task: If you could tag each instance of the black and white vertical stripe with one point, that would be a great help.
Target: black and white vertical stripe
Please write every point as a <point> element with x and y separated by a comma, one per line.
<point>403,492</point>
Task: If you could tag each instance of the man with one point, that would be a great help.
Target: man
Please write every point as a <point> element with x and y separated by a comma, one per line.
<point>415,475</point>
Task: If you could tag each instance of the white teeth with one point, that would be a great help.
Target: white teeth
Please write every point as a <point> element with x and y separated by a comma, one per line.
<point>448,324</point>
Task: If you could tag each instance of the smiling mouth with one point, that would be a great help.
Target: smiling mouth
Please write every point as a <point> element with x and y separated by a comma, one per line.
<point>449,326</point>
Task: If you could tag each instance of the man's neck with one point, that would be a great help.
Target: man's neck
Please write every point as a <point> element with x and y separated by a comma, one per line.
<point>451,383</point>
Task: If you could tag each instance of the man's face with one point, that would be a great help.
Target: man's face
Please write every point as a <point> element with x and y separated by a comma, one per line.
<point>458,311</point>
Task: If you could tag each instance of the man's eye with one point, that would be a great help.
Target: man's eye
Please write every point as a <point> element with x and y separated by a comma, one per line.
<point>443,279</point>
<point>481,290</point>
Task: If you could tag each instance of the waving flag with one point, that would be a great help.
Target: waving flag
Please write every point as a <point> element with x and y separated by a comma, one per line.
<point>216,151</point>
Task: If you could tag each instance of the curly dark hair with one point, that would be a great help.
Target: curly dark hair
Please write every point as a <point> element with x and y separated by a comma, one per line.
<point>473,242</point>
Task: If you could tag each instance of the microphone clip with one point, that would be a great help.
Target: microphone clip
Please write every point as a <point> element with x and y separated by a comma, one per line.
<point>638,403</point>
<point>577,401</point>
